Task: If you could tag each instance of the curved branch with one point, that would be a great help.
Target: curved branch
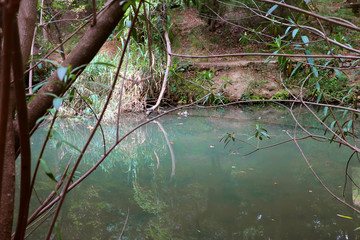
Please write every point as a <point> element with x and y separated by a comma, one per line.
<point>166,76</point>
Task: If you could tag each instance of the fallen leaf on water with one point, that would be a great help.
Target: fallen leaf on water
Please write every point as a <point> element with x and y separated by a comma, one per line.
<point>251,169</point>
<point>310,190</point>
<point>90,127</point>
<point>343,216</point>
<point>240,172</point>
<point>275,183</point>
<point>232,166</point>
<point>171,142</point>
<point>211,146</point>
<point>273,220</point>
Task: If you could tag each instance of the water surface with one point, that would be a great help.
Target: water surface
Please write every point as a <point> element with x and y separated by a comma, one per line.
<point>203,190</point>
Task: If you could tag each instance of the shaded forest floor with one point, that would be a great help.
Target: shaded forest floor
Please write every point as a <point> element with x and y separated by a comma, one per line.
<point>248,75</point>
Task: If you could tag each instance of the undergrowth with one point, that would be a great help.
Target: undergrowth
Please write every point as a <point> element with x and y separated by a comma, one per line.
<point>88,95</point>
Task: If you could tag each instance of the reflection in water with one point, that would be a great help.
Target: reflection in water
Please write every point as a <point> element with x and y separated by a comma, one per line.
<point>170,149</point>
<point>270,194</point>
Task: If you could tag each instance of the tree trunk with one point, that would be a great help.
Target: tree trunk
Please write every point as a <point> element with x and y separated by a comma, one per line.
<point>8,183</point>
<point>82,54</point>
<point>26,20</point>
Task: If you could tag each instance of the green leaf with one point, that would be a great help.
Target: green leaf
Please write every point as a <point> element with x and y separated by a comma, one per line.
<point>61,73</point>
<point>351,89</point>
<point>305,39</point>
<point>295,32</point>
<point>346,96</point>
<point>309,59</point>
<point>315,71</point>
<point>71,145</point>
<point>326,116</point>
<point>57,103</point>
<point>87,99</point>
<point>319,98</point>
<point>355,74</point>
<point>271,10</point>
<point>358,228</point>
<point>125,4</point>
<point>58,231</point>
<point>338,73</point>
<point>71,94</point>
<point>287,30</point>
<point>317,86</point>
<point>326,111</point>
<point>38,86</point>
<point>47,170</point>
<point>41,118</point>
<point>349,125</point>
<point>344,113</point>
<point>296,69</point>
<point>332,125</point>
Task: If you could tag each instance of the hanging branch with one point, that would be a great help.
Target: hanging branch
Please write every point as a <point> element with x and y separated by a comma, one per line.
<point>318,178</point>
<point>353,27</point>
<point>168,63</point>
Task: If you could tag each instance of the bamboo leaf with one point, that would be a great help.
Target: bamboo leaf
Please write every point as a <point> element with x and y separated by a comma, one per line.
<point>315,71</point>
<point>355,74</point>
<point>57,103</point>
<point>309,59</point>
<point>326,111</point>
<point>332,124</point>
<point>296,69</point>
<point>338,73</point>
<point>271,10</point>
<point>61,73</point>
<point>343,216</point>
<point>47,170</point>
<point>319,98</point>
<point>295,32</point>
<point>305,39</point>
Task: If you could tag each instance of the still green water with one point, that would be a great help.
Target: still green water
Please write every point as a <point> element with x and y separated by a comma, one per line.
<point>203,191</point>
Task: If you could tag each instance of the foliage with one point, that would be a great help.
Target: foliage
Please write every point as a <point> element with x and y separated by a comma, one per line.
<point>184,91</point>
<point>259,132</point>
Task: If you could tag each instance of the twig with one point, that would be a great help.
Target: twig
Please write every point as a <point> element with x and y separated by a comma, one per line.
<point>318,178</point>
<point>126,220</point>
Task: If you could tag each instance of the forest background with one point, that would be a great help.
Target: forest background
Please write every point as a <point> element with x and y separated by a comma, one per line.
<point>50,66</point>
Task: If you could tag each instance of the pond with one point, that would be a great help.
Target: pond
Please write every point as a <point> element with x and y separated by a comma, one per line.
<point>176,179</point>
